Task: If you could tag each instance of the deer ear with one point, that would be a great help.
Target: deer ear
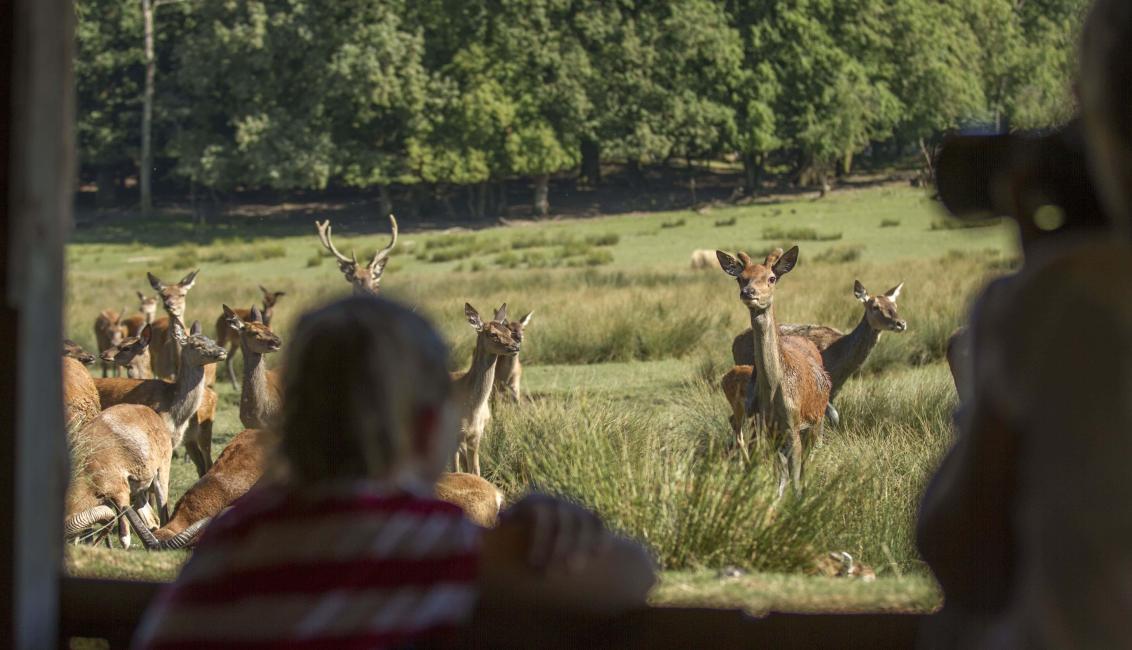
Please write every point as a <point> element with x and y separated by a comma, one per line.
<point>194,330</point>
<point>525,320</point>
<point>473,317</point>
<point>730,265</point>
<point>859,291</point>
<point>894,293</point>
<point>786,262</point>
<point>146,334</point>
<point>154,282</point>
<point>501,313</point>
<point>189,280</point>
<point>234,319</point>
<point>280,293</point>
<point>255,315</point>
<point>141,297</point>
<point>264,291</point>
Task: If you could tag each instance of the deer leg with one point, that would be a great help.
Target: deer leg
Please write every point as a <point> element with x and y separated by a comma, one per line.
<point>796,459</point>
<point>474,458</point>
<point>783,473</point>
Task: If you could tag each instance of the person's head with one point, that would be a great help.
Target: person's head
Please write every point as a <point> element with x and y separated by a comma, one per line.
<point>1106,105</point>
<point>366,395</point>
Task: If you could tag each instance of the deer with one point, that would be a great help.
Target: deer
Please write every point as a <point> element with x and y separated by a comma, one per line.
<point>364,279</point>
<point>235,471</point>
<point>789,390</point>
<point>164,352</point>
<point>473,387</point>
<point>839,564</point>
<point>147,312</point>
<point>228,337</point>
<point>80,397</point>
<point>842,354</point>
<point>178,402</point>
<point>131,353</point>
<point>261,398</point>
<point>480,500</point>
<point>120,458</point>
<point>109,330</point>
<point>508,370</point>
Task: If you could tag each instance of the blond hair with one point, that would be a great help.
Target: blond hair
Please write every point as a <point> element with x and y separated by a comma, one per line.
<point>358,373</point>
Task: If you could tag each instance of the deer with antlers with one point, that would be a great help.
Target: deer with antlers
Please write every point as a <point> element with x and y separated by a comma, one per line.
<point>227,336</point>
<point>365,279</point>
<point>789,389</point>
<point>473,387</point>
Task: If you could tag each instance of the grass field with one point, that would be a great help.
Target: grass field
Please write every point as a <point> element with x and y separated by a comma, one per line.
<point>623,358</point>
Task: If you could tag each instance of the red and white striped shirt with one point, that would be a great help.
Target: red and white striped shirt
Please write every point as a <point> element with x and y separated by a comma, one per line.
<point>348,566</point>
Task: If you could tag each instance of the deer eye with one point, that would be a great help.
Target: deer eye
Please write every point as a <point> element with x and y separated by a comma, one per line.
<point>771,280</point>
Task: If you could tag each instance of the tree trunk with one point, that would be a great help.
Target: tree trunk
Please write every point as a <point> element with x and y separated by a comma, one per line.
<point>542,192</point>
<point>752,173</point>
<point>386,200</point>
<point>144,178</point>
<point>847,163</point>
<point>591,162</point>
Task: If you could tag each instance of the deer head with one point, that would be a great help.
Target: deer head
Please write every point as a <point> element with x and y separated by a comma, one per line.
<point>173,295</point>
<point>517,326</point>
<point>196,348</point>
<point>757,281</point>
<point>494,334</point>
<point>124,352</point>
<point>253,332</point>
<point>365,279</point>
<point>269,300</point>
<point>147,306</point>
<point>76,352</point>
<point>881,310</point>
<point>117,329</point>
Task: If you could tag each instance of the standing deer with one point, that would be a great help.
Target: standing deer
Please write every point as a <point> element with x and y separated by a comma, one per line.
<point>147,311</point>
<point>131,353</point>
<point>508,370</point>
<point>842,354</point>
<point>261,397</point>
<point>789,390</point>
<point>365,279</point>
<point>228,337</point>
<point>164,350</point>
<point>177,402</point>
<point>473,387</point>
<point>109,331</point>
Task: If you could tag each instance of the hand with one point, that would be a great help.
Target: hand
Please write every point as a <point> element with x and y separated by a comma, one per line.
<point>562,534</point>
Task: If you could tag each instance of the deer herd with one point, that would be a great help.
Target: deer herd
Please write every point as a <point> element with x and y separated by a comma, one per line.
<point>123,431</point>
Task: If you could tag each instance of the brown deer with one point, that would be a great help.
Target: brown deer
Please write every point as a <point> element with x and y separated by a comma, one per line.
<point>119,458</point>
<point>508,370</point>
<point>480,500</point>
<point>80,398</point>
<point>842,354</point>
<point>109,331</point>
<point>147,312</point>
<point>236,470</point>
<point>227,337</point>
<point>365,279</point>
<point>131,353</point>
<point>261,397</point>
<point>164,351</point>
<point>177,402</point>
<point>790,386</point>
<point>473,387</point>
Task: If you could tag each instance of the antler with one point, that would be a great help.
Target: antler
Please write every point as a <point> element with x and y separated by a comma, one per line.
<point>384,253</point>
<point>324,236</point>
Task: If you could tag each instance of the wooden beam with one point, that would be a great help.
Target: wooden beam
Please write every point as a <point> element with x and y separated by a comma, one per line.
<point>38,172</point>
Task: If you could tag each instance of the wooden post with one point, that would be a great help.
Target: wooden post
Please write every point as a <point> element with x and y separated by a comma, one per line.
<point>38,172</point>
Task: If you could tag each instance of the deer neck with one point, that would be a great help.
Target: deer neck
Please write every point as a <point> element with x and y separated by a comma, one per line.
<point>253,398</point>
<point>481,376</point>
<point>188,392</point>
<point>267,313</point>
<point>768,354</point>
<point>848,353</point>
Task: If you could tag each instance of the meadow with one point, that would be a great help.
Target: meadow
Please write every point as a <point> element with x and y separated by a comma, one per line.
<point>622,362</point>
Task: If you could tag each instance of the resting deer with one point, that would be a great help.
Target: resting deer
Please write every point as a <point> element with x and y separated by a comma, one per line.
<point>261,398</point>
<point>365,279</point>
<point>226,335</point>
<point>480,500</point>
<point>80,398</point>
<point>236,470</point>
<point>109,331</point>
<point>120,458</point>
<point>843,354</point>
<point>789,390</point>
<point>132,353</point>
<point>164,350</point>
<point>508,370</point>
<point>473,387</point>
<point>177,402</point>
